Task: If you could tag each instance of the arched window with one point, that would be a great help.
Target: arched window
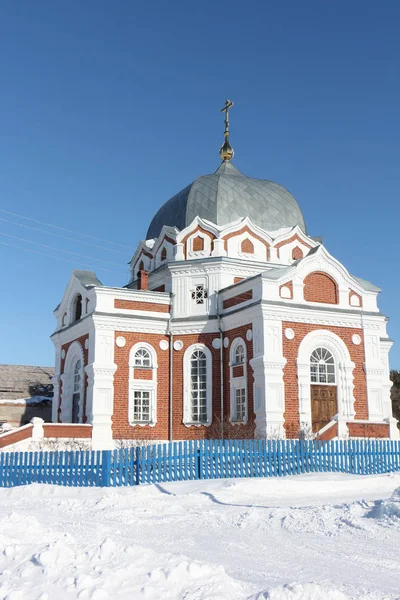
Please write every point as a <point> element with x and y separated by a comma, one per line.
<point>163,254</point>
<point>142,390</point>
<point>322,366</point>
<point>142,358</point>
<point>198,386</point>
<point>76,391</point>
<point>239,354</point>
<point>238,382</point>
<point>77,308</point>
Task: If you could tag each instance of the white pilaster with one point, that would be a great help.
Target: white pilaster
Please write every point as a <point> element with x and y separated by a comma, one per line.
<point>100,392</point>
<point>219,248</point>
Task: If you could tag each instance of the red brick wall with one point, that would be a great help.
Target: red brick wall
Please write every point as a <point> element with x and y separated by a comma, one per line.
<point>16,436</point>
<point>247,246</point>
<point>290,352</point>
<point>297,253</point>
<point>144,374</point>
<point>368,430</point>
<point>329,434</point>
<point>238,371</point>
<point>239,431</point>
<point>67,431</point>
<point>160,288</point>
<point>65,347</point>
<point>319,287</point>
<point>243,297</point>
<point>133,305</point>
<point>120,420</point>
<point>198,244</point>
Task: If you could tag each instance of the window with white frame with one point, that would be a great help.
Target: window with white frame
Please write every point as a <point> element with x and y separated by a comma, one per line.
<point>197,372</point>
<point>142,392</point>
<point>142,358</point>
<point>239,354</point>
<point>322,367</point>
<point>240,405</point>
<point>198,378</point>
<point>141,406</point>
<point>238,382</point>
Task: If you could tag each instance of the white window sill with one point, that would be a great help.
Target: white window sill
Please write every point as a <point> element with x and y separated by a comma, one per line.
<point>142,423</point>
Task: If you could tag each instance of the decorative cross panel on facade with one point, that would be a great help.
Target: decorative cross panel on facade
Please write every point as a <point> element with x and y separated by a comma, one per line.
<point>199,294</point>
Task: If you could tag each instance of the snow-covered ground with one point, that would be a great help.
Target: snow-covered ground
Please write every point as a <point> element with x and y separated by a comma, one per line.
<point>311,537</point>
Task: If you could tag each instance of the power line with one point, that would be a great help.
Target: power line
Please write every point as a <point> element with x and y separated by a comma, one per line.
<point>64,237</point>
<point>15,237</point>
<point>53,256</point>
<point>64,229</point>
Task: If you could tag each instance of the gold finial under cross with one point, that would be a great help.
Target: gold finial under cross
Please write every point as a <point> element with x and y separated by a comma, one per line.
<point>226,151</point>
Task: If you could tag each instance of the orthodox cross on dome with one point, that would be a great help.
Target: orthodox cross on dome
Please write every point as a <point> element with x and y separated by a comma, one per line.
<point>226,151</point>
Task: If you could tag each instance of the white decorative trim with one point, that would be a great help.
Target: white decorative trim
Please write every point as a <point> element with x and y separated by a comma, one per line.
<point>226,342</point>
<point>164,345</point>
<point>249,335</point>
<point>178,345</point>
<point>87,344</point>
<point>120,341</point>
<point>75,353</point>
<point>63,353</point>
<point>344,373</point>
<point>216,343</point>
<point>356,339</point>
<point>238,382</point>
<point>289,333</point>
<point>187,399</point>
<point>143,385</point>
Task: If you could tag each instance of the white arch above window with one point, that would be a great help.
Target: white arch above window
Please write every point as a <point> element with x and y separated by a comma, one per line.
<point>138,354</point>
<point>238,352</point>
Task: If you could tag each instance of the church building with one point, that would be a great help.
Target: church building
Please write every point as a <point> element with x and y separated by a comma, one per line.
<point>235,323</point>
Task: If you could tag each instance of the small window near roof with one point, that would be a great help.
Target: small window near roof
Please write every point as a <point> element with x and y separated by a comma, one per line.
<point>77,310</point>
<point>239,354</point>
<point>164,254</point>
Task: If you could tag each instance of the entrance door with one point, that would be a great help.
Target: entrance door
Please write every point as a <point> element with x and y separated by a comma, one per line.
<point>324,405</point>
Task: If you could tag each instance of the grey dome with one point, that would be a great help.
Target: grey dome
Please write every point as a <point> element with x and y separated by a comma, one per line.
<point>226,196</point>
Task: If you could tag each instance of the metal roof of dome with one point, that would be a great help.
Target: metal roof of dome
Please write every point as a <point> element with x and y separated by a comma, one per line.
<point>227,195</point>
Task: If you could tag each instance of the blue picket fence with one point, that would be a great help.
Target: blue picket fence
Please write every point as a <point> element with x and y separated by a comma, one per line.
<point>191,460</point>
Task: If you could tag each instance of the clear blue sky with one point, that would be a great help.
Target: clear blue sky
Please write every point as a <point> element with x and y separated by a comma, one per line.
<point>109,108</point>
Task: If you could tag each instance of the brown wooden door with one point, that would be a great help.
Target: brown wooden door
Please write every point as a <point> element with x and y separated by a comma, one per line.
<point>324,405</point>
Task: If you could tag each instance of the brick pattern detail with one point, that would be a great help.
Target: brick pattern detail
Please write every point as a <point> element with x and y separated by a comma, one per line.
<point>289,285</point>
<point>67,431</point>
<point>65,347</point>
<point>143,280</point>
<point>243,297</point>
<point>120,421</point>
<point>238,371</point>
<point>237,279</point>
<point>290,352</point>
<point>351,293</point>
<point>240,232</point>
<point>16,436</point>
<point>204,231</point>
<point>198,244</point>
<point>319,287</point>
<point>368,430</point>
<point>134,305</point>
<point>329,434</point>
<point>294,238</point>
<point>146,374</point>
<point>297,253</point>
<point>247,246</point>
